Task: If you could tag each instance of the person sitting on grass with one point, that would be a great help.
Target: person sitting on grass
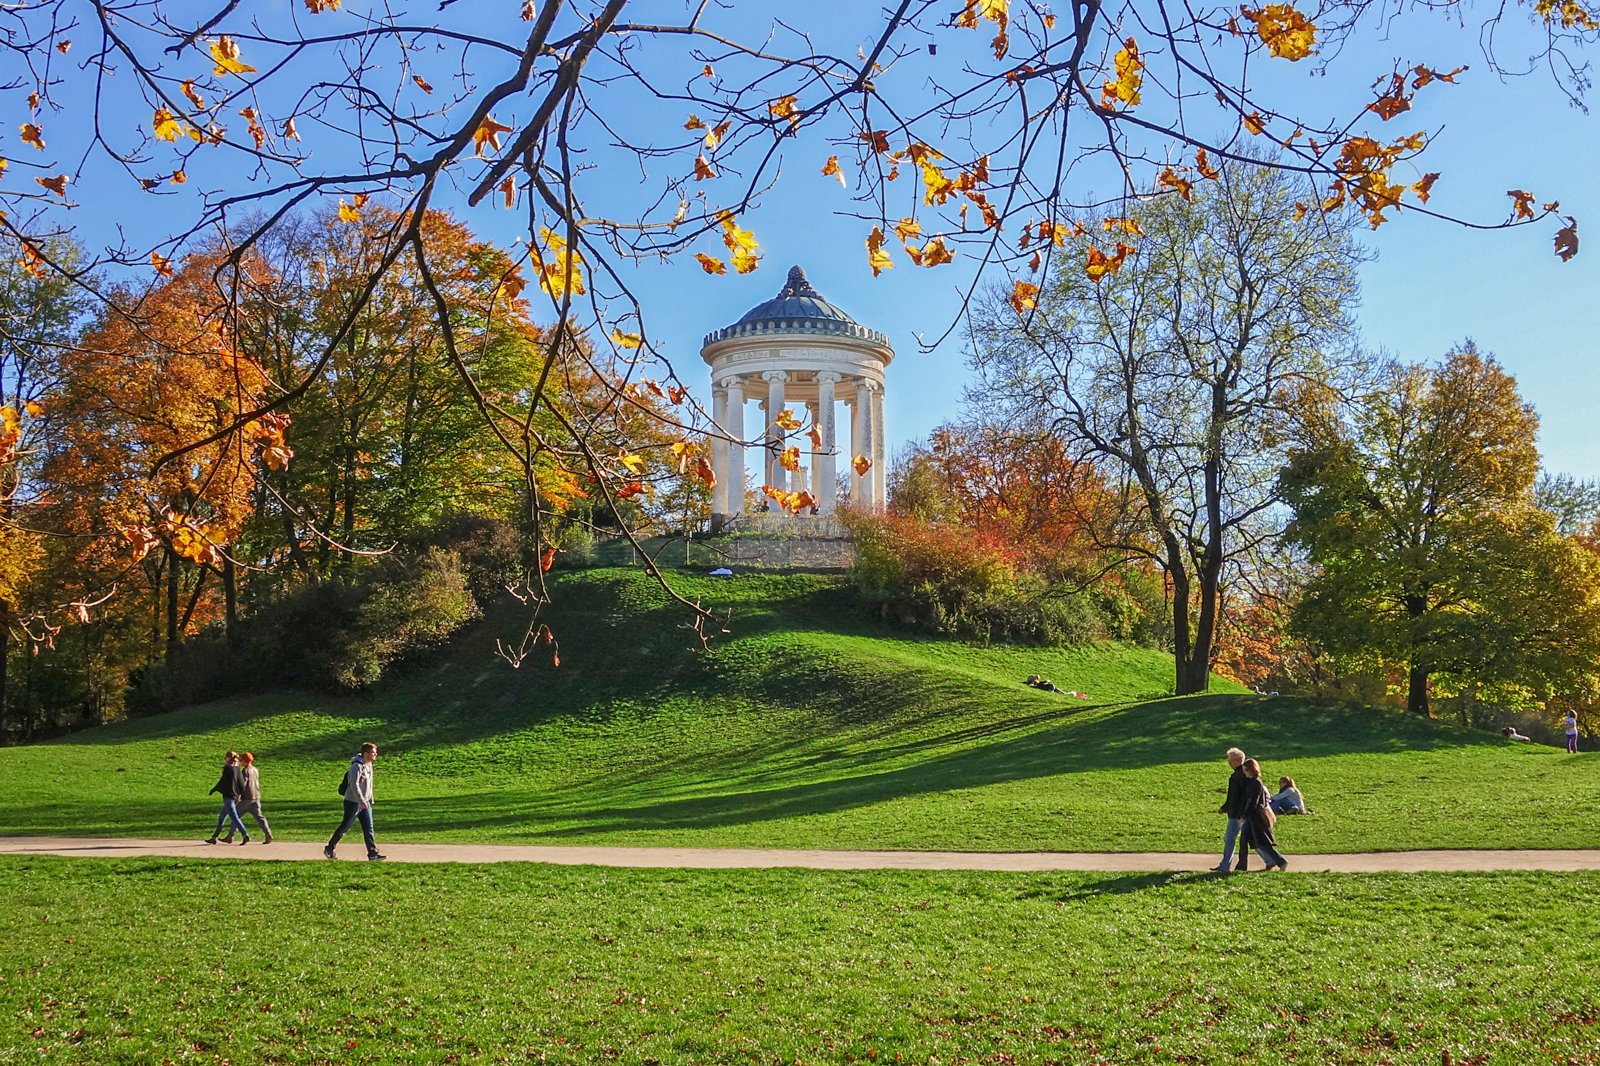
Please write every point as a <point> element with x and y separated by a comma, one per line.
<point>1288,799</point>
<point>1042,683</point>
<point>1510,733</point>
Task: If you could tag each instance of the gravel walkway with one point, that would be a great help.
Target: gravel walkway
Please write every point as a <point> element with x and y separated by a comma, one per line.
<point>737,858</point>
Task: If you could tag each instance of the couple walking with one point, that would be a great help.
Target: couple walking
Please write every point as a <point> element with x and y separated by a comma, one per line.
<point>240,788</point>
<point>1250,816</point>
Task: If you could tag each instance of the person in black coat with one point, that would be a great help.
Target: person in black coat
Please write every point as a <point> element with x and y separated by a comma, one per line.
<point>1259,819</point>
<point>1234,808</point>
<point>229,786</point>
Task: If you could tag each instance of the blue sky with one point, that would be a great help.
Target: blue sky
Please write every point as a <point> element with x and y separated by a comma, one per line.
<point>1432,284</point>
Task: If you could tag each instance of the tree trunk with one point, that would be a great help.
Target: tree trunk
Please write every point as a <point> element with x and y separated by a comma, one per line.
<point>1417,691</point>
<point>230,602</point>
<point>5,663</point>
<point>172,606</point>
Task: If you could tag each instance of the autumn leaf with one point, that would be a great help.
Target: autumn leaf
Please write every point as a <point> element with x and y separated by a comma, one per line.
<point>141,540</point>
<point>289,132</point>
<point>831,167</point>
<point>1203,164</point>
<point>348,212</point>
<point>487,135</point>
<point>167,128</point>
<point>703,471</point>
<point>907,228</point>
<point>57,184</point>
<point>932,254</point>
<point>878,140</point>
<point>814,435</point>
<point>162,264</point>
<point>258,134</point>
<point>784,107</point>
<point>1173,180</point>
<point>694,123</point>
<point>1256,123</point>
<point>711,264</point>
<point>1024,296</point>
<point>561,272</point>
<point>626,340</point>
<point>225,51</point>
<point>790,458</point>
<point>702,169</point>
<point>194,97</point>
<point>1521,204</point>
<point>32,134</point>
<point>877,258</point>
<point>676,394</point>
<point>317,7</point>
<point>422,84</point>
<point>1099,264</point>
<point>1124,88</point>
<point>861,465</point>
<point>633,462</point>
<point>508,189</point>
<point>547,559</point>
<point>1286,32</point>
<point>741,242</point>
<point>1425,187</point>
<point>716,133</point>
<point>787,421</point>
<point>1567,239</point>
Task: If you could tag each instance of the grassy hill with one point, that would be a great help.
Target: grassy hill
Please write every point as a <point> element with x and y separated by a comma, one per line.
<point>808,725</point>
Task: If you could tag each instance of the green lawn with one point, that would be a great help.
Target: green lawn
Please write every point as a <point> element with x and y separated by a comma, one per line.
<point>810,725</point>
<point>151,961</point>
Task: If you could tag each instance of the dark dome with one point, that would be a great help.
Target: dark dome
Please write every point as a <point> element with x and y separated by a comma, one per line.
<point>797,300</point>
<point>798,308</point>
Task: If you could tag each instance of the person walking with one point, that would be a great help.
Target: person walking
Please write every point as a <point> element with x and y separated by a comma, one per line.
<point>250,798</point>
<point>1570,724</point>
<point>1259,820</point>
<point>1233,807</point>
<point>228,786</point>
<point>357,791</point>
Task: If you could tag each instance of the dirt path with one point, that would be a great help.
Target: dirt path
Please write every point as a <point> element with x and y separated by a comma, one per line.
<point>736,858</point>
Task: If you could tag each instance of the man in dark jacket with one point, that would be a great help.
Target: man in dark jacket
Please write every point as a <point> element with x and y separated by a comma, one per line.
<point>229,785</point>
<point>1235,808</point>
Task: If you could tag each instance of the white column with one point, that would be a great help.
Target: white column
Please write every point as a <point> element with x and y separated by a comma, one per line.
<point>827,473</point>
<point>860,487</point>
<point>880,449</point>
<point>814,468</point>
<point>719,449</point>
<point>732,474</point>
<point>776,474</point>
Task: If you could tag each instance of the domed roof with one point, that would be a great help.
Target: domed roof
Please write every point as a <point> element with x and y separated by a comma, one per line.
<point>798,308</point>
<point>796,300</point>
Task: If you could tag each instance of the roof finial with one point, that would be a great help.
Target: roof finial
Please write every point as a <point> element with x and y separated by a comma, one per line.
<point>797,285</point>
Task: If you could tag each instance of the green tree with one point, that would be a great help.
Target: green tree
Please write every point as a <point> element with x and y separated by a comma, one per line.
<point>1172,376</point>
<point>1416,505</point>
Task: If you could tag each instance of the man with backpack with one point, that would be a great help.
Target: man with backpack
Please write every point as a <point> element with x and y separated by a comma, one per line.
<point>356,788</point>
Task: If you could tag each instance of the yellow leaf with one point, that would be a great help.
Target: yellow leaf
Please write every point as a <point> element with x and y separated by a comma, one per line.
<point>907,228</point>
<point>831,167</point>
<point>167,128</point>
<point>877,258</point>
<point>561,272</point>
<point>317,7</point>
<point>1024,297</point>
<point>787,421</point>
<point>348,212</point>
<point>487,135</point>
<point>711,264</point>
<point>716,133</point>
<point>635,463</point>
<point>1286,33</point>
<point>226,53</point>
<point>784,107</point>
<point>1521,203</point>
<point>1124,88</point>
<point>162,264</point>
<point>861,464</point>
<point>34,408</point>
<point>932,254</point>
<point>742,243</point>
<point>1255,123</point>
<point>626,340</point>
<point>790,458</point>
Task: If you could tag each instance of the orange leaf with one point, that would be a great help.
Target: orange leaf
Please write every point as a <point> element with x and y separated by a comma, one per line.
<point>814,435</point>
<point>711,264</point>
<point>878,139</point>
<point>831,167</point>
<point>31,134</point>
<point>702,169</point>
<point>694,123</point>
<point>784,107</point>
<point>1255,122</point>
<point>317,7</point>
<point>487,135</point>
<point>547,558</point>
<point>1521,204</point>
<point>790,458</point>
<point>630,490</point>
<point>1425,186</point>
<point>1172,179</point>
<point>907,228</point>
<point>1203,164</point>
<point>57,184</point>
<point>509,189</point>
<point>1024,297</point>
<point>877,258</point>
<point>422,84</point>
<point>787,421</point>
<point>703,471</point>
<point>162,264</point>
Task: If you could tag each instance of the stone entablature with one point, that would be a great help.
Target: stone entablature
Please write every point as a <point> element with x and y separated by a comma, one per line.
<point>799,352</point>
